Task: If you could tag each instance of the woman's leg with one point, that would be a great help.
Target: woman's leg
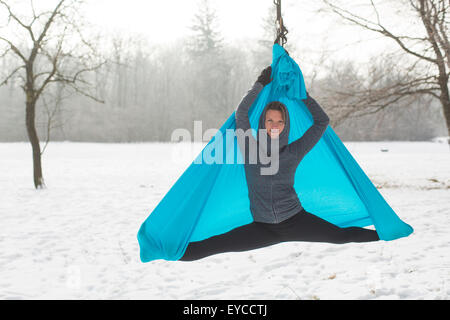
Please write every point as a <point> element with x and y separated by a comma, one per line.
<point>305,226</point>
<point>246,237</point>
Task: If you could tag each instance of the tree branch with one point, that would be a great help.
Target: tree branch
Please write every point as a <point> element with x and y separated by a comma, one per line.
<point>4,82</point>
<point>376,27</point>
<point>14,49</point>
<point>12,15</point>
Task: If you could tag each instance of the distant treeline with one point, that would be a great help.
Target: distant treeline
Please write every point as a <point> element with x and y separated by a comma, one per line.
<point>151,90</point>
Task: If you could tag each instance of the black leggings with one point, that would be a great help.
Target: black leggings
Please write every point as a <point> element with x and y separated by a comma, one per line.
<point>303,226</point>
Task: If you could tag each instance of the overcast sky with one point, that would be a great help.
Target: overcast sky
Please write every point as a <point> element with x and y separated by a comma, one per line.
<point>165,21</point>
<point>312,33</point>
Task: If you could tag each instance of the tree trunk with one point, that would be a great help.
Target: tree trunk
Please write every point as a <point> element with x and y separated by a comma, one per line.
<point>445,101</point>
<point>33,137</point>
<point>446,109</point>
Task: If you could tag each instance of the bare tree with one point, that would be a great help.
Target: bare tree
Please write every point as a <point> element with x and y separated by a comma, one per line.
<point>353,91</point>
<point>56,51</point>
<point>428,73</point>
<point>209,69</point>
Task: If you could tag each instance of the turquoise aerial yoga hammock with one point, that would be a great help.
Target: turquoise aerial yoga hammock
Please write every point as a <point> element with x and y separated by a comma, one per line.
<point>211,196</point>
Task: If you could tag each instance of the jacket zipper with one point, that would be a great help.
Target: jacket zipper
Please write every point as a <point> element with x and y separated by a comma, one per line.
<point>271,194</point>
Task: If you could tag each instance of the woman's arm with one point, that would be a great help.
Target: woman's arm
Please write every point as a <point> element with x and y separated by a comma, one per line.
<point>242,120</point>
<point>305,143</point>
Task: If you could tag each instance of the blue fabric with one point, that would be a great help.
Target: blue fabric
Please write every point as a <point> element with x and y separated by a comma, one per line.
<point>211,196</point>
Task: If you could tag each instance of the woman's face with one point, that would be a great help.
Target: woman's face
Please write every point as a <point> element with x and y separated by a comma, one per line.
<point>274,123</point>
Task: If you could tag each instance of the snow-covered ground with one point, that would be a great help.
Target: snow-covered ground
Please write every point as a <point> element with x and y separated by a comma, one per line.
<point>76,239</point>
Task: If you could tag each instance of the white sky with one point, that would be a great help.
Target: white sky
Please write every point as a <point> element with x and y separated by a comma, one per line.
<point>311,32</point>
<point>167,20</point>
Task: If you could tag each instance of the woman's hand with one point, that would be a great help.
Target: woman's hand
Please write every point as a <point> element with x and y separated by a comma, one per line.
<point>264,77</point>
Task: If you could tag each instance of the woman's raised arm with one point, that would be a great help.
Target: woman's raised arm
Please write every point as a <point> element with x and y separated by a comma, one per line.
<point>305,143</point>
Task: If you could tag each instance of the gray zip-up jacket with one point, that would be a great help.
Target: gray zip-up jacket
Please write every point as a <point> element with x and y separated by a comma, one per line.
<point>272,197</point>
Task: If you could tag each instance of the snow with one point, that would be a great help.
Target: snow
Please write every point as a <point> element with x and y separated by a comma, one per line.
<point>441,139</point>
<point>76,239</point>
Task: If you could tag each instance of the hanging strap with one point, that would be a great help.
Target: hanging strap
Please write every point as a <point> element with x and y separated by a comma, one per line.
<point>281,30</point>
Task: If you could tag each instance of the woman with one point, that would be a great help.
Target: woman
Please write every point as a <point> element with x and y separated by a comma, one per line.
<point>277,212</point>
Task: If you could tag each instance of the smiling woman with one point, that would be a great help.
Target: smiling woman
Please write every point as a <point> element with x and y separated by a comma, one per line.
<point>275,119</point>
<point>214,208</point>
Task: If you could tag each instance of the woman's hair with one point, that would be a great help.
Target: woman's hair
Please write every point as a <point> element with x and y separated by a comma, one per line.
<point>277,105</point>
